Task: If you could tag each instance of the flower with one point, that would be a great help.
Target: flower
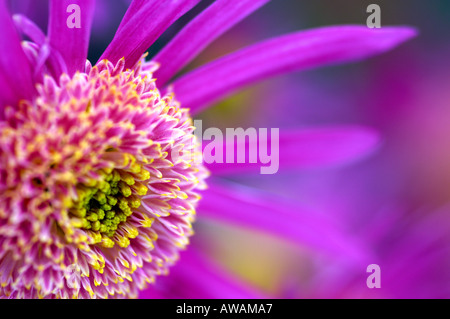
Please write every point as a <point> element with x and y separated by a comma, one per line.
<point>88,169</point>
<point>98,163</point>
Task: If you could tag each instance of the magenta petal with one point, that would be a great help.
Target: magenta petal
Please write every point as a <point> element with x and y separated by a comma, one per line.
<point>29,28</point>
<point>71,43</point>
<point>302,149</point>
<point>144,22</point>
<point>200,32</point>
<point>293,52</point>
<point>195,277</point>
<point>271,214</point>
<point>15,73</point>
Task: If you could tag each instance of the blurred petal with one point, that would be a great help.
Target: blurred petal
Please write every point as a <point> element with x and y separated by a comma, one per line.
<point>142,25</point>
<point>414,256</point>
<point>195,277</point>
<point>298,51</point>
<point>200,32</point>
<point>33,9</point>
<point>303,149</point>
<point>268,213</point>
<point>15,73</point>
<point>29,28</point>
<point>71,43</point>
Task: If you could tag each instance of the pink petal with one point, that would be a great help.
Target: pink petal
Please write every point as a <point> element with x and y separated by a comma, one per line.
<point>195,277</point>
<point>293,52</point>
<point>15,72</point>
<point>71,43</point>
<point>29,28</point>
<point>302,149</point>
<point>200,32</point>
<point>270,214</point>
<point>142,25</point>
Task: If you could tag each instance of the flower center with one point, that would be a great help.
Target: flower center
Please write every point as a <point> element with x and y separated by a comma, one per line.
<point>105,203</point>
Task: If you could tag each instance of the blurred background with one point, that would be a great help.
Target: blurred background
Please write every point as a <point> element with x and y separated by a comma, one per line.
<point>396,201</point>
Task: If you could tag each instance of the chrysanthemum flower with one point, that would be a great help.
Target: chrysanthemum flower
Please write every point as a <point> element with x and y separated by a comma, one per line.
<point>99,174</point>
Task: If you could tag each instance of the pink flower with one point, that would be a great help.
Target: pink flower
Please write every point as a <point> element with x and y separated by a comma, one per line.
<point>89,180</point>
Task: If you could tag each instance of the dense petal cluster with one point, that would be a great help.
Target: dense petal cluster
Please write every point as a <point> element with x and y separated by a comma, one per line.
<point>98,185</point>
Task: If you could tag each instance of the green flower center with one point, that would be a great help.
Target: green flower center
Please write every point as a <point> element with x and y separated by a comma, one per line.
<point>101,207</point>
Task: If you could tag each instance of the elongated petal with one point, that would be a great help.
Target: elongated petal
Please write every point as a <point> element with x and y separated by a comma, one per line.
<point>268,213</point>
<point>29,28</point>
<point>15,73</point>
<point>198,34</point>
<point>293,52</point>
<point>299,149</point>
<point>142,27</point>
<point>195,277</point>
<point>69,31</point>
